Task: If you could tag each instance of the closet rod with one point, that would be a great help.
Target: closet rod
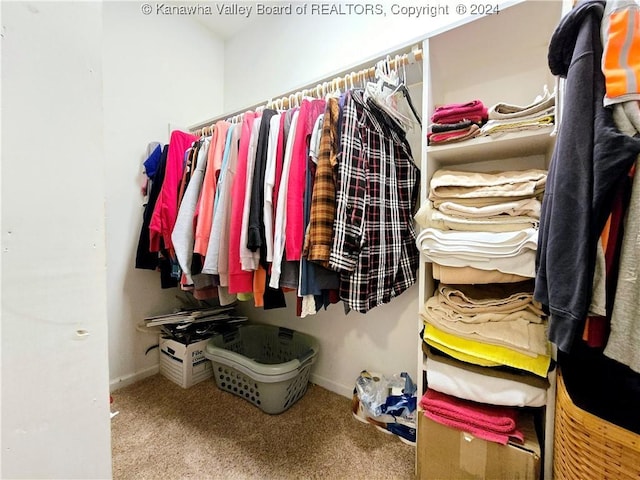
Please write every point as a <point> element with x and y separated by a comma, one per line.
<point>294,97</point>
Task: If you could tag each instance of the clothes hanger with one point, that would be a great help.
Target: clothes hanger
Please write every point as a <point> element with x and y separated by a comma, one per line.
<point>402,87</point>
<point>382,91</point>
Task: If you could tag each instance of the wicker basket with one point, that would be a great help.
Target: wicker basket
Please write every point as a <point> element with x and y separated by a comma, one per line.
<point>588,447</point>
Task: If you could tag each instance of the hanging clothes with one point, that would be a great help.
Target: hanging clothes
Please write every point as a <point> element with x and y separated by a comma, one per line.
<point>279,231</point>
<point>274,148</point>
<point>374,236</point>
<point>256,198</point>
<point>166,208</point>
<point>323,201</point>
<point>248,258</point>
<point>239,281</point>
<point>145,258</point>
<point>183,233</point>
<point>209,187</point>
<point>589,158</point>
<point>256,237</point>
<point>310,110</point>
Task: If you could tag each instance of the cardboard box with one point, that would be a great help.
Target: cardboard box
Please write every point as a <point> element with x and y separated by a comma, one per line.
<point>447,453</point>
<point>185,365</point>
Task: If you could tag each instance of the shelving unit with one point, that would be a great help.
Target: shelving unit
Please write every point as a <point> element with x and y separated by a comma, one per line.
<point>498,58</point>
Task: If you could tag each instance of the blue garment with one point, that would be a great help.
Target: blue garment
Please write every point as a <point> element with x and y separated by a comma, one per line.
<point>152,162</point>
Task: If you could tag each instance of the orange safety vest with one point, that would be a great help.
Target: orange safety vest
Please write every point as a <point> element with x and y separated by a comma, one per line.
<point>621,57</point>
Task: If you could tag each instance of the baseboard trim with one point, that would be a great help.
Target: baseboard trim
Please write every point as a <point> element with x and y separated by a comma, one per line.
<point>132,378</point>
<point>332,386</point>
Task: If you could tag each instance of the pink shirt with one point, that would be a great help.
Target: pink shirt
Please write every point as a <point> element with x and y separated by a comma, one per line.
<point>240,281</point>
<point>165,212</point>
<point>309,113</point>
<point>209,185</point>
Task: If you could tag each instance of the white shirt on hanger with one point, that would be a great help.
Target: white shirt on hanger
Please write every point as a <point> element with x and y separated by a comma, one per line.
<point>281,208</point>
<point>183,233</point>
<point>248,259</point>
<point>269,182</point>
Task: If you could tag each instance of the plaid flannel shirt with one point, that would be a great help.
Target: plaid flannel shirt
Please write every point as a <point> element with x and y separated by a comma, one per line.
<point>323,201</point>
<point>377,190</point>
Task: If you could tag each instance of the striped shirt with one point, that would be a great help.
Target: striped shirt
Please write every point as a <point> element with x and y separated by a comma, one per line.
<point>377,190</point>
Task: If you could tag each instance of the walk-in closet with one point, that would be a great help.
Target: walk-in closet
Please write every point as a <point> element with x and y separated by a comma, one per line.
<point>320,240</point>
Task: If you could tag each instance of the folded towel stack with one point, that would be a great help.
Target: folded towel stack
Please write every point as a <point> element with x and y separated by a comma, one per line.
<point>486,221</point>
<point>489,422</point>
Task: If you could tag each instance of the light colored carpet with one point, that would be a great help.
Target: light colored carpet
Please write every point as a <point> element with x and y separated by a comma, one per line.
<point>166,432</point>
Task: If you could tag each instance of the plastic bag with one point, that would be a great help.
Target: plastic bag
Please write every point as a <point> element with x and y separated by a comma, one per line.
<point>392,396</point>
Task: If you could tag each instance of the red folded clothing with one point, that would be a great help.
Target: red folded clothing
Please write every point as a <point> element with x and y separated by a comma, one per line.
<point>457,112</point>
<point>454,135</point>
<point>489,422</point>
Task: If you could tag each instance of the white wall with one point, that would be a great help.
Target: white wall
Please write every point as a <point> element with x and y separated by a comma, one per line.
<point>157,70</point>
<point>55,397</point>
<point>280,53</point>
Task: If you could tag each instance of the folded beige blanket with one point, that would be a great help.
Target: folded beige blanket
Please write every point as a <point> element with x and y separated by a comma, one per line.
<point>462,275</point>
<point>497,298</point>
<point>451,184</point>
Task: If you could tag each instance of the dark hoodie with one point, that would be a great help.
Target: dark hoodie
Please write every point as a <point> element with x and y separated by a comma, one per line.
<point>589,159</point>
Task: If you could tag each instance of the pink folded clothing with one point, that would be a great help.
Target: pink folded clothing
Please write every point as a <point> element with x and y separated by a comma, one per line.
<point>489,422</point>
<point>451,136</point>
<point>457,112</point>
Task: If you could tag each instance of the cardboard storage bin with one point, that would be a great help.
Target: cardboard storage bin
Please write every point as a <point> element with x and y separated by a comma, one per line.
<point>185,365</point>
<point>448,453</point>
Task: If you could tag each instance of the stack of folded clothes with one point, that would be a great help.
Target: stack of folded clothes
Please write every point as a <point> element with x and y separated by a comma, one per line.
<point>480,233</point>
<point>508,252</point>
<point>505,117</point>
<point>488,325</point>
<point>483,221</point>
<point>456,122</point>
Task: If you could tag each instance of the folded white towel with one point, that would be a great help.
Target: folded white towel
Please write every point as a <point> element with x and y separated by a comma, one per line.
<point>470,383</point>
<point>508,252</point>
<point>427,216</point>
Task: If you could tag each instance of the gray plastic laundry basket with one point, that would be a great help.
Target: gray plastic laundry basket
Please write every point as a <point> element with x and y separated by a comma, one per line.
<point>266,365</point>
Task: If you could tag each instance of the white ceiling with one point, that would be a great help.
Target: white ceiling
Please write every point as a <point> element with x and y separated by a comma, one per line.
<point>226,26</point>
